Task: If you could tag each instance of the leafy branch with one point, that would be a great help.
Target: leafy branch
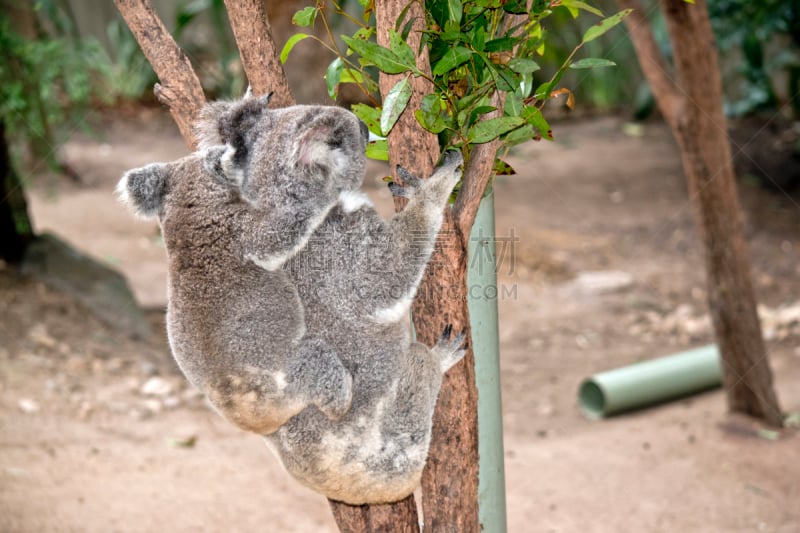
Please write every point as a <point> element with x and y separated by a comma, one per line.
<point>478,48</point>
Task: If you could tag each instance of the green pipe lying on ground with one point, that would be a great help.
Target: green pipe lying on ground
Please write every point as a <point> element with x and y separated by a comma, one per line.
<point>650,382</point>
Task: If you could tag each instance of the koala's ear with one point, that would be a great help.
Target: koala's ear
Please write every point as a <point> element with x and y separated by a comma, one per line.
<point>206,128</point>
<point>144,189</point>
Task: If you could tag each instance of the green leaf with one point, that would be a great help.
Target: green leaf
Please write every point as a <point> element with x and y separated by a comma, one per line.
<point>371,116</point>
<point>454,11</point>
<point>500,45</point>
<point>535,118</point>
<point>383,58</point>
<point>378,150</point>
<point>487,130</point>
<point>293,40</point>
<point>604,25</point>
<point>451,59</point>
<point>519,135</point>
<point>592,62</point>
<point>581,5</point>
<point>431,114</point>
<point>514,105</point>
<point>351,76</point>
<point>479,42</point>
<point>333,76</point>
<point>523,66</point>
<point>515,7</point>
<point>394,104</point>
<point>401,48</point>
<point>305,17</point>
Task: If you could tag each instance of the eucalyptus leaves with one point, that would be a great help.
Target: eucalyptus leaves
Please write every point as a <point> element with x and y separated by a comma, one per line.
<point>476,48</point>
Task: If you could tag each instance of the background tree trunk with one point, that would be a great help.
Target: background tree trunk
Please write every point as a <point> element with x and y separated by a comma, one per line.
<point>16,231</point>
<point>692,105</point>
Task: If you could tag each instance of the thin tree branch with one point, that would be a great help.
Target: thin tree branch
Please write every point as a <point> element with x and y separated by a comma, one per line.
<point>259,55</point>
<point>476,176</point>
<point>180,89</point>
<point>655,69</point>
<point>480,167</point>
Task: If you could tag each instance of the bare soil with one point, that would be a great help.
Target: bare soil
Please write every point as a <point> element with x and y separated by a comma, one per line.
<point>99,432</point>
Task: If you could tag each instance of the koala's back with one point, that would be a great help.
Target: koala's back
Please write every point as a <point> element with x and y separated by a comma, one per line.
<point>231,324</point>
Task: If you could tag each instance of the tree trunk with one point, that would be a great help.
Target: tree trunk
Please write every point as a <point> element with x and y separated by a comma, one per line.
<point>450,479</point>
<point>16,231</point>
<point>692,105</point>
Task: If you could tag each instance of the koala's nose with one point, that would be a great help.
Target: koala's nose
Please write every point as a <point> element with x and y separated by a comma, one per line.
<point>364,129</point>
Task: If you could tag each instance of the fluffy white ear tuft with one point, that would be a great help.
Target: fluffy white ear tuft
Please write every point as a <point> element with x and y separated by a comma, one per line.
<point>143,189</point>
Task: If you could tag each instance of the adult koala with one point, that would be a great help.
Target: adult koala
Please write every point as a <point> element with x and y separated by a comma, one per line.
<point>355,276</point>
<point>235,323</point>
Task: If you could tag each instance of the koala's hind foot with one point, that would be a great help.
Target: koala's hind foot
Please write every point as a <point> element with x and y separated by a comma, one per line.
<point>319,375</point>
<point>449,351</point>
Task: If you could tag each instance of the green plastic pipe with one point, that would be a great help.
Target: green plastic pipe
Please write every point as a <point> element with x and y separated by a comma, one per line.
<point>482,302</point>
<point>650,382</point>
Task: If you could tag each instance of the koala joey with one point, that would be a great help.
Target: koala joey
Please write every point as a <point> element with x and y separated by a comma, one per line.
<point>289,295</point>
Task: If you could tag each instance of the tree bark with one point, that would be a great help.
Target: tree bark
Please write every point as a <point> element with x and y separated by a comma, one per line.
<point>692,105</point>
<point>450,479</point>
<point>180,89</point>
<point>260,59</point>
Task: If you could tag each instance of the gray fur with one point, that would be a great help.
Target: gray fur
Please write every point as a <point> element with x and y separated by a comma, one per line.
<point>278,265</point>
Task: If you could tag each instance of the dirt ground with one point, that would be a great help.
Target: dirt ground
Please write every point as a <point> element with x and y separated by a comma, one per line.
<point>100,433</point>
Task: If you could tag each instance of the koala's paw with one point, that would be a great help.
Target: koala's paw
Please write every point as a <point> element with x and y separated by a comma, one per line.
<point>408,179</point>
<point>338,396</point>
<point>212,162</point>
<point>408,182</point>
<point>450,351</point>
<point>218,162</point>
<point>398,190</point>
<point>446,175</point>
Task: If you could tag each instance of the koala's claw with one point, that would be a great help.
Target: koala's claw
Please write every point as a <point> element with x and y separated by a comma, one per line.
<point>212,162</point>
<point>408,179</point>
<point>452,158</point>
<point>398,190</point>
<point>449,350</point>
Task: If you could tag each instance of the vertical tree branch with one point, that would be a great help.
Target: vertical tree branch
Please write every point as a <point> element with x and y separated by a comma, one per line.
<point>450,479</point>
<point>180,89</point>
<point>480,167</point>
<point>257,49</point>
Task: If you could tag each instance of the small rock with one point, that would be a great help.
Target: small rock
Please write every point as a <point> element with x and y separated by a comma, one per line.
<point>602,281</point>
<point>156,386</point>
<point>545,409</point>
<point>148,368</point>
<point>171,402</point>
<point>28,406</point>
<point>140,413</point>
<point>40,336</point>
<point>153,405</point>
<point>85,410</point>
